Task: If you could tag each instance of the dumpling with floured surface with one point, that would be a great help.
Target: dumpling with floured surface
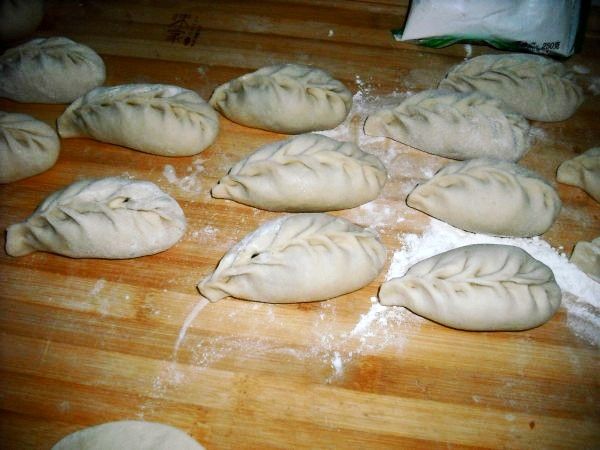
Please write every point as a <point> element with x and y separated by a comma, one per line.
<point>285,98</point>
<point>298,258</point>
<point>112,218</point>
<point>153,118</point>
<point>27,146</point>
<point>454,125</point>
<point>537,87</point>
<point>49,70</point>
<point>489,196</point>
<point>307,173</point>
<point>481,287</point>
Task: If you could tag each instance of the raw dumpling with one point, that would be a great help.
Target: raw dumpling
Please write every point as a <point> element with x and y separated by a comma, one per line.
<point>153,118</point>
<point>130,435</point>
<point>586,256</point>
<point>27,147</point>
<point>53,70</point>
<point>582,171</point>
<point>19,18</point>
<point>535,86</point>
<point>306,173</point>
<point>482,287</point>
<point>286,98</point>
<point>112,218</point>
<point>454,125</point>
<point>489,196</point>
<point>297,258</point>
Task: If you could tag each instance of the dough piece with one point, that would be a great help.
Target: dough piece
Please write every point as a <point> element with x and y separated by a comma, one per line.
<point>53,70</point>
<point>582,171</point>
<point>113,218</point>
<point>286,98</point>
<point>586,256</point>
<point>297,258</point>
<point>307,173</point>
<point>482,287</point>
<point>454,125</point>
<point>153,118</point>
<point>489,196</point>
<point>27,147</point>
<point>535,86</point>
<point>130,435</point>
<point>19,18</point>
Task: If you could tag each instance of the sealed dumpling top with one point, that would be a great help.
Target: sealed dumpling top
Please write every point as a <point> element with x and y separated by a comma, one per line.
<point>489,196</point>
<point>286,98</point>
<point>111,218</point>
<point>481,287</point>
<point>27,146</point>
<point>454,125</point>
<point>298,258</point>
<point>154,118</point>
<point>52,70</point>
<point>537,87</point>
<point>307,173</point>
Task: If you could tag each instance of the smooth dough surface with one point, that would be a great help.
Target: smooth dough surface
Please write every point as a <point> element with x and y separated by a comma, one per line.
<point>52,70</point>
<point>285,98</point>
<point>27,146</point>
<point>19,18</point>
<point>297,258</point>
<point>537,87</point>
<point>128,435</point>
<point>489,196</point>
<point>582,171</point>
<point>113,218</point>
<point>307,173</point>
<point>454,125</point>
<point>153,118</point>
<point>586,256</point>
<point>481,287</point>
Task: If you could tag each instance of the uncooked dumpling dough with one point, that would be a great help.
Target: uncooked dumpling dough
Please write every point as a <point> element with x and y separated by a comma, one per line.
<point>535,86</point>
<point>586,256</point>
<point>53,70</point>
<point>297,258</point>
<point>286,98</point>
<point>582,171</point>
<point>307,173</point>
<point>19,18</point>
<point>489,196</point>
<point>153,118</point>
<point>27,147</point>
<point>454,125</point>
<point>112,218</point>
<point>482,287</point>
<point>128,435</point>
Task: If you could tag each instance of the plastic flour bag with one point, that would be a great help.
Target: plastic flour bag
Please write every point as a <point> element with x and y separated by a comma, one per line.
<point>537,26</point>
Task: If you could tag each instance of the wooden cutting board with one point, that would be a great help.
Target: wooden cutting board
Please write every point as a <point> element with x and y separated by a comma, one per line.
<point>90,341</point>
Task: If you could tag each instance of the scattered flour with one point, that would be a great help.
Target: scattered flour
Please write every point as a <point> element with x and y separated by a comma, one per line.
<point>581,294</point>
<point>98,287</point>
<point>188,182</point>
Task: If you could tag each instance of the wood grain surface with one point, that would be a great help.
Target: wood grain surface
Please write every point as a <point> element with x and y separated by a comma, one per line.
<point>90,341</point>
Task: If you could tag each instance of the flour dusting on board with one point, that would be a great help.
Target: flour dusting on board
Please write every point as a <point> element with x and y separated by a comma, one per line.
<point>581,294</point>
<point>189,182</point>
